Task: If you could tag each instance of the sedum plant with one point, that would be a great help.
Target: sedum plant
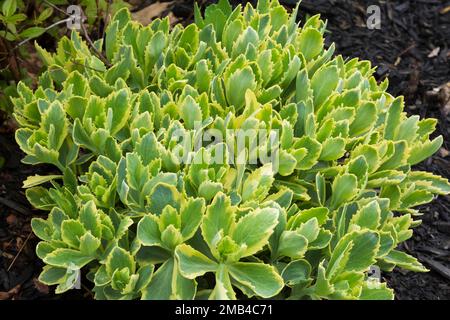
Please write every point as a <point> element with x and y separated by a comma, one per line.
<point>156,200</point>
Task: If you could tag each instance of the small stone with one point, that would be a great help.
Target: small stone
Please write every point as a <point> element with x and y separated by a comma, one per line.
<point>11,219</point>
<point>444,152</point>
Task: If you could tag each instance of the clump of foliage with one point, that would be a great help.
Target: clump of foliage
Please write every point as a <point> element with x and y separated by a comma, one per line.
<point>22,21</point>
<point>146,225</point>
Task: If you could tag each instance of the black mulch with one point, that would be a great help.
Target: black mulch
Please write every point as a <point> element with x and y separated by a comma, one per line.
<point>411,48</point>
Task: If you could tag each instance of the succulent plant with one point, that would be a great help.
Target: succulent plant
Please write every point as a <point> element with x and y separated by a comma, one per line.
<point>159,186</point>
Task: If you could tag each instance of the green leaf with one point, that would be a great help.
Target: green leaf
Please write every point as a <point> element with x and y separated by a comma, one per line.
<point>42,229</point>
<point>363,251</point>
<point>387,243</point>
<point>246,37</point>
<point>154,50</point>
<point>309,229</point>
<point>111,42</point>
<point>67,258</point>
<point>297,272</point>
<point>120,279</point>
<point>32,32</point>
<point>237,85</point>
<point>44,248</point>
<point>183,288</point>
<point>119,105</point>
<point>9,7</point>
<point>261,278</point>
<point>209,189</point>
<point>430,182</point>
<point>193,263</point>
<point>422,151</point>
<point>52,275</point>
<point>171,237</point>
<point>303,90</point>
<point>254,229</point>
<point>386,177</point>
<point>415,198</point>
<point>89,244</point>
<point>393,118</point>
<point>81,137</point>
<point>314,149</point>
<point>218,220</point>
<point>322,240</point>
<point>144,276</point>
<point>71,232</point>
<point>373,290</point>
<point>310,43</point>
<point>344,189</point>
<point>292,245</point>
<point>283,197</point>
<point>323,83</point>
<point>36,180</point>
<point>69,281</point>
<point>55,124</point>
<point>190,112</point>
<point>359,167</point>
<point>368,216</point>
<point>291,72</point>
<point>320,213</point>
<point>322,287</point>
<point>90,219</point>
<point>191,216</point>
<point>223,289</point>
<point>287,163</point>
<point>365,117</point>
<point>349,98</point>
<point>258,183</point>
<point>404,261</point>
<point>167,283</point>
<point>163,195</point>
<point>101,277</point>
<point>338,259</point>
<point>99,86</point>
<point>332,149</point>
<point>45,14</point>
<point>118,259</point>
<point>79,86</point>
<point>148,231</point>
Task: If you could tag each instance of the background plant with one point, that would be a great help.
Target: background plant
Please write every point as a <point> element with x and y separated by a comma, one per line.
<point>343,199</point>
<point>23,21</point>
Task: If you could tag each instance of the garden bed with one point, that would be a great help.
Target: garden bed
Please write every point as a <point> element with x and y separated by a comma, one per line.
<point>410,49</point>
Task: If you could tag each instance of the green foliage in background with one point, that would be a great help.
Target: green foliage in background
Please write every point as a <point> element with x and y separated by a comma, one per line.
<point>22,21</point>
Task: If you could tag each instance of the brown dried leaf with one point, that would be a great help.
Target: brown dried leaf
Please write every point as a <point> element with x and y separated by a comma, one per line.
<point>444,97</point>
<point>9,294</point>
<point>19,242</point>
<point>42,288</point>
<point>11,219</point>
<point>7,255</point>
<point>146,15</point>
<point>444,152</point>
<point>172,18</point>
<point>445,10</point>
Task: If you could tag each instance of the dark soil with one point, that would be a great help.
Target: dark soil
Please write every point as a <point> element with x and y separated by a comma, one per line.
<point>411,49</point>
